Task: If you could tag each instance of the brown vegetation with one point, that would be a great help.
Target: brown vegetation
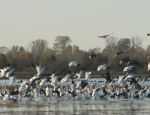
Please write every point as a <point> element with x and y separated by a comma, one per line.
<point>58,57</point>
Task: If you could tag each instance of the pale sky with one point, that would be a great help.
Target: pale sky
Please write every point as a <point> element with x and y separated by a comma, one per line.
<point>23,21</point>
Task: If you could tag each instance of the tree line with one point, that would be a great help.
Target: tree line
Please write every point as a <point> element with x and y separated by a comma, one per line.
<point>58,57</point>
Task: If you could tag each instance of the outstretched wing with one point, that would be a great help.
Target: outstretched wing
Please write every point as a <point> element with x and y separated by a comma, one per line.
<point>104,36</point>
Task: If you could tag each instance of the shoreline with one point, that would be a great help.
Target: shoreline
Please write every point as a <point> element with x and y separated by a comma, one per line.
<point>28,75</point>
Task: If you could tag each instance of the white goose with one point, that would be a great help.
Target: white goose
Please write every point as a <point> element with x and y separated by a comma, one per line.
<point>10,72</point>
<point>148,66</point>
<point>80,74</point>
<point>88,75</point>
<point>6,97</point>
<point>95,94</point>
<point>74,63</point>
<point>54,82</point>
<point>3,72</point>
<point>102,67</point>
<point>130,76</point>
<point>66,78</point>
<point>121,81</point>
<point>12,79</point>
<point>128,68</point>
<point>42,83</point>
<point>38,68</point>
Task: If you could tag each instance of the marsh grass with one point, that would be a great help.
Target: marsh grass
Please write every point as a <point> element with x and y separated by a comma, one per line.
<point>28,105</point>
<point>38,105</point>
<point>8,105</point>
<point>13,105</point>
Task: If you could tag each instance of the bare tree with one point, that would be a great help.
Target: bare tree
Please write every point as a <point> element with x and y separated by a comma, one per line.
<point>95,50</point>
<point>37,49</point>
<point>4,50</point>
<point>109,50</point>
<point>136,42</point>
<point>61,42</point>
<point>124,43</point>
<point>111,41</point>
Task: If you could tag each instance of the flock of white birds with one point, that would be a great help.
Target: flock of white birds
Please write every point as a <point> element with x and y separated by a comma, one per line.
<point>77,85</point>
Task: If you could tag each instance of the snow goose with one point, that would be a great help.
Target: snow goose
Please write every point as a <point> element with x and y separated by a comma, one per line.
<point>10,72</point>
<point>12,79</point>
<point>67,77</point>
<point>121,81</point>
<point>81,73</point>
<point>102,67</point>
<point>88,75</point>
<point>130,76</point>
<point>38,68</point>
<point>4,71</point>
<point>43,81</point>
<point>74,63</point>
<point>128,69</point>
<point>148,64</point>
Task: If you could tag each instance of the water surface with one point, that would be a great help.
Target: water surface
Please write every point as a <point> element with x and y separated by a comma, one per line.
<point>76,107</point>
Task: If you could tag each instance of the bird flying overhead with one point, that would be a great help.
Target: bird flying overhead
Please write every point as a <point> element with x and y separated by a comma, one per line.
<point>104,36</point>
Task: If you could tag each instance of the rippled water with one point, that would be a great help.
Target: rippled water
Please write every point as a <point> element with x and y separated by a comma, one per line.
<point>76,107</point>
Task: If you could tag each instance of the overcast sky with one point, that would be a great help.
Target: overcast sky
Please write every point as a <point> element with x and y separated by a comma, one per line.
<point>23,21</point>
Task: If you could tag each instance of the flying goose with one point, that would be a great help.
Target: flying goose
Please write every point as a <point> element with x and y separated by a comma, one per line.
<point>118,53</point>
<point>74,63</point>
<point>92,55</point>
<point>4,71</point>
<point>125,59</point>
<point>104,36</point>
<point>102,67</point>
<point>38,68</point>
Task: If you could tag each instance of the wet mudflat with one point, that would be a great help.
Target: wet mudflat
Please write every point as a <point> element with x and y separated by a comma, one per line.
<point>76,107</point>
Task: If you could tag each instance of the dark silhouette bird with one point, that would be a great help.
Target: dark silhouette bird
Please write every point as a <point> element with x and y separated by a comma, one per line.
<point>92,55</point>
<point>125,59</point>
<point>84,83</point>
<point>107,77</point>
<point>118,53</point>
<point>42,91</point>
<point>127,51</point>
<point>73,75</point>
<point>104,36</point>
<point>148,34</point>
<point>133,62</point>
<point>14,92</point>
